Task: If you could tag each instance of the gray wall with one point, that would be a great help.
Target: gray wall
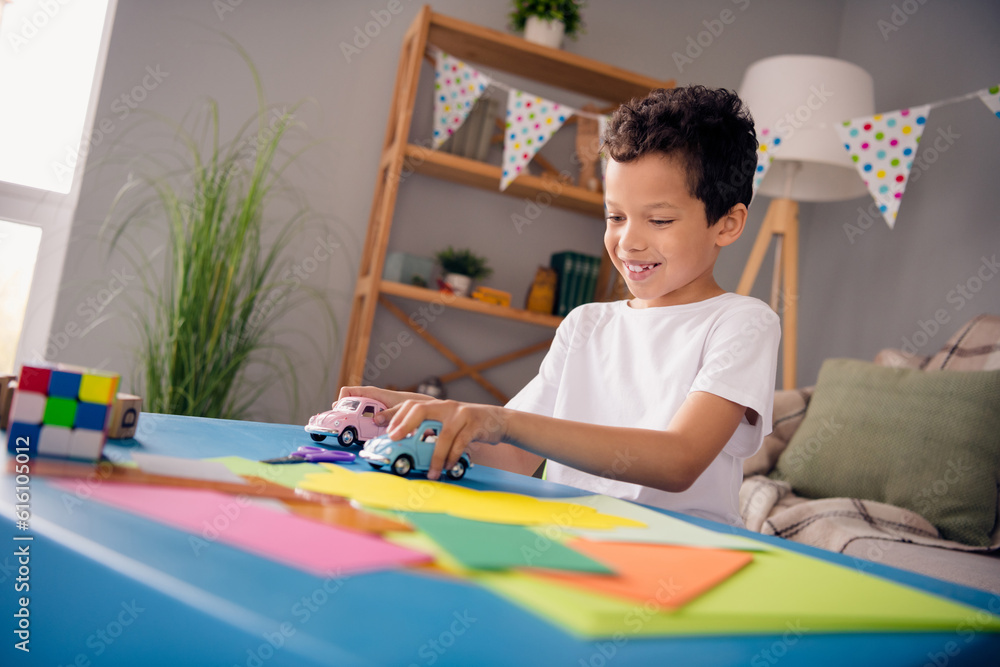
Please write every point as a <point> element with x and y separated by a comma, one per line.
<point>856,297</point>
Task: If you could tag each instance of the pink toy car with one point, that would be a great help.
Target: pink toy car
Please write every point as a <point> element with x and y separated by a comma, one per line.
<point>349,421</point>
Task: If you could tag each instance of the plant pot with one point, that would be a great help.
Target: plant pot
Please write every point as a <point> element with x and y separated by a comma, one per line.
<point>544,32</point>
<point>461,285</point>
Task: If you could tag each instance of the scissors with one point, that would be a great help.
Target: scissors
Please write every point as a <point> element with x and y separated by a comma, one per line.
<point>311,454</point>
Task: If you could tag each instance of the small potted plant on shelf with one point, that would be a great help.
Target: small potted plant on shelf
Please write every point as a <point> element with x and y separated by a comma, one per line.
<point>546,21</point>
<point>461,267</point>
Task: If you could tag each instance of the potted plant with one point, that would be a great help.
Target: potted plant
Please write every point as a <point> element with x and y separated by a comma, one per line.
<point>546,21</point>
<point>225,218</point>
<point>461,267</point>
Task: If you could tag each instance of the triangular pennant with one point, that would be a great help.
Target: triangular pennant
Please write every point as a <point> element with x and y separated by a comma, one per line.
<point>602,125</point>
<point>991,98</point>
<point>882,149</point>
<point>457,86</point>
<point>530,122</point>
<point>769,144</point>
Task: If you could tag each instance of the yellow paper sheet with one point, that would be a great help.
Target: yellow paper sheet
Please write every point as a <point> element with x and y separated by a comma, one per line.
<point>387,491</point>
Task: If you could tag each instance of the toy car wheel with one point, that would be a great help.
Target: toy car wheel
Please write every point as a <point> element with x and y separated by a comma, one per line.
<point>347,436</point>
<point>402,465</point>
<point>457,471</point>
<point>318,437</point>
<point>376,466</point>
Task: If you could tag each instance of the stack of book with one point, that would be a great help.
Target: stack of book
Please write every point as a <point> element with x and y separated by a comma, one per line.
<point>577,280</point>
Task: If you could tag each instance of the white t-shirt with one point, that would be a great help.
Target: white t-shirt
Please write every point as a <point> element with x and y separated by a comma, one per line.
<point>614,365</point>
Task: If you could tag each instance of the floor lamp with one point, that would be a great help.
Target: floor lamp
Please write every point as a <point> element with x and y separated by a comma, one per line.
<point>800,99</point>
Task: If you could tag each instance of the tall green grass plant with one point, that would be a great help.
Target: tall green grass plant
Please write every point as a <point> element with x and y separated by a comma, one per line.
<point>207,323</point>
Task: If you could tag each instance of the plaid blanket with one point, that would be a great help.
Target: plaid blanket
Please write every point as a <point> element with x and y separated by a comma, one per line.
<point>770,507</point>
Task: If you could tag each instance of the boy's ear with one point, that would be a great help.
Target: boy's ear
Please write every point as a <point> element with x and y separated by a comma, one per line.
<point>730,226</point>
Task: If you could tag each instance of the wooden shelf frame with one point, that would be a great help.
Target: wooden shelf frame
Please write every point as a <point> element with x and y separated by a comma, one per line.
<point>487,177</point>
<point>491,50</point>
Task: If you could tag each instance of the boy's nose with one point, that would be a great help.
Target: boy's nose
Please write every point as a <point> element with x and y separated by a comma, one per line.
<point>631,237</point>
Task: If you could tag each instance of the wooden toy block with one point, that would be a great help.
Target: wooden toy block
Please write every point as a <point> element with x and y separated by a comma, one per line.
<point>7,385</point>
<point>61,411</point>
<point>124,416</point>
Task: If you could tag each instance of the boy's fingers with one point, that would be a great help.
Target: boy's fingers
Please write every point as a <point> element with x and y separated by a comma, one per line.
<point>408,417</point>
<point>383,418</point>
<point>442,449</point>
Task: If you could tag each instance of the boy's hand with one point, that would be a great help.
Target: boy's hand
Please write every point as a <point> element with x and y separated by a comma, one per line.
<point>391,399</point>
<point>462,423</point>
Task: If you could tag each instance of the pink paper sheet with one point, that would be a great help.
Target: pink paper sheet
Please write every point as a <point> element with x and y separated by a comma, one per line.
<point>317,548</point>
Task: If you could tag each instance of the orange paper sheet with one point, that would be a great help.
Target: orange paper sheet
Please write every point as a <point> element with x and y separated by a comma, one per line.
<point>666,575</point>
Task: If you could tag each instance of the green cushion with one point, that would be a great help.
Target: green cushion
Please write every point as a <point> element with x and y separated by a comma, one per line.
<point>928,441</point>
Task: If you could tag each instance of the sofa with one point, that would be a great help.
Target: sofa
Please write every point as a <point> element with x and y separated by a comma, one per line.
<point>844,487</point>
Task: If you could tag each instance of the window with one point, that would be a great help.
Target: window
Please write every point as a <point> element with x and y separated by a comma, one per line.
<point>52,55</point>
<point>18,250</point>
<point>48,56</point>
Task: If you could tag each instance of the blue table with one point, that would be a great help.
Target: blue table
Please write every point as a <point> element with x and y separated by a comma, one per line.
<point>108,587</point>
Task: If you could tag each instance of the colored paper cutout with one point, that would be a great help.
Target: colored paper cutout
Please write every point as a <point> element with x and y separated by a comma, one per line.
<point>659,528</point>
<point>388,491</point>
<point>308,545</point>
<point>530,123</point>
<point>778,588</point>
<point>667,575</point>
<point>209,471</point>
<point>457,87</point>
<point>991,98</point>
<point>493,546</point>
<point>882,148</point>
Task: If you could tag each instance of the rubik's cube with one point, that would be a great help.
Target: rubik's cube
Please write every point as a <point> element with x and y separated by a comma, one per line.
<point>61,411</point>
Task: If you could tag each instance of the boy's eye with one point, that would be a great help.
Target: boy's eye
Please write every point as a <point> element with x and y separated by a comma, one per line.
<point>660,223</point>
<point>615,218</point>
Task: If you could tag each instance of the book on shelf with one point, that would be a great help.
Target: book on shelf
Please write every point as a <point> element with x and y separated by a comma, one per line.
<point>577,280</point>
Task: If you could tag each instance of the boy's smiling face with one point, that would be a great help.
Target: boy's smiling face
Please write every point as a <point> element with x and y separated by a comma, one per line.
<point>657,233</point>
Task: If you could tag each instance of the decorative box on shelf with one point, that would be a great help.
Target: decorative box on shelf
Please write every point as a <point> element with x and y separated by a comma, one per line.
<point>402,267</point>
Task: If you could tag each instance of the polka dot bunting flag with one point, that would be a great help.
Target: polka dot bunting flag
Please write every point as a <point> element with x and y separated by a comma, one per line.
<point>457,86</point>
<point>602,125</point>
<point>882,148</point>
<point>991,98</point>
<point>769,144</point>
<point>530,122</point>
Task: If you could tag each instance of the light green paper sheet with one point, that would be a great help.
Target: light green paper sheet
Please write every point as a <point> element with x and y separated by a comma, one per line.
<point>779,591</point>
<point>661,529</point>
<point>493,546</point>
<point>285,474</point>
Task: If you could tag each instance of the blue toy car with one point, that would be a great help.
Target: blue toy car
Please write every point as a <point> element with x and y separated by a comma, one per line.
<point>411,453</point>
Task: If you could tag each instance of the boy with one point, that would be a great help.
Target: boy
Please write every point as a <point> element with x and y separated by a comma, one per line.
<point>657,399</point>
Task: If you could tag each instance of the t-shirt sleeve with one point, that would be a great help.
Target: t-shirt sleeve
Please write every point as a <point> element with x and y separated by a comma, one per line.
<point>740,361</point>
<point>539,395</point>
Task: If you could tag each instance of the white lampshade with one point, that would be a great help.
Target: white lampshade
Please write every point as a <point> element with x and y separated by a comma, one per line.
<point>805,97</point>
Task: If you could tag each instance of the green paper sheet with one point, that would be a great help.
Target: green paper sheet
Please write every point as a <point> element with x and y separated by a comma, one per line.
<point>779,591</point>
<point>285,474</point>
<point>492,546</point>
<point>660,528</point>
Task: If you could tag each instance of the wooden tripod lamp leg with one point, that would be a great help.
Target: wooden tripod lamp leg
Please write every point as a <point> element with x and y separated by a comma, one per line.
<point>790,312</point>
<point>782,223</point>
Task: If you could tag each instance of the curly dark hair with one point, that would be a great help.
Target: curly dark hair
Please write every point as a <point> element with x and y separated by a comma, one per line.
<point>709,130</point>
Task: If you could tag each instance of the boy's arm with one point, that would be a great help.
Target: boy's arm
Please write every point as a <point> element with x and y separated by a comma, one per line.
<point>669,460</point>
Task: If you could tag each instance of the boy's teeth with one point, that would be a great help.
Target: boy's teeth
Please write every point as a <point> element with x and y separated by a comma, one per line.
<point>637,268</point>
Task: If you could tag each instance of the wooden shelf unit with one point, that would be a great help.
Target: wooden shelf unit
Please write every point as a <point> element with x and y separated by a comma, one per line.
<point>466,303</point>
<point>491,50</point>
